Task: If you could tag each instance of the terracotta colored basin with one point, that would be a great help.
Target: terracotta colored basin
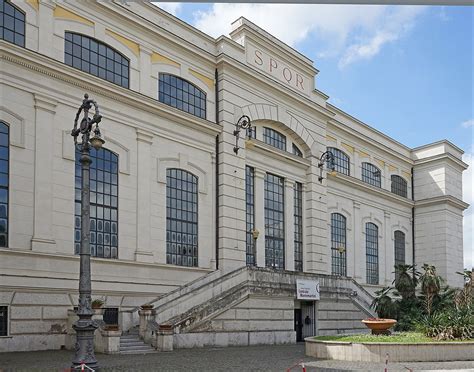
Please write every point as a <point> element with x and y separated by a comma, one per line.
<point>379,324</point>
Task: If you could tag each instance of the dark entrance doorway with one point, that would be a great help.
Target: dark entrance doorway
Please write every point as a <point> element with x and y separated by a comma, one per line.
<point>298,325</point>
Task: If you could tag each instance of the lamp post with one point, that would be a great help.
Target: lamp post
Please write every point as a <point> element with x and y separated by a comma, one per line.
<point>85,326</point>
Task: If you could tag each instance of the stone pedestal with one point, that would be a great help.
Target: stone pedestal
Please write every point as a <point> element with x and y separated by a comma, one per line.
<point>107,341</point>
<point>164,338</point>
<point>145,314</point>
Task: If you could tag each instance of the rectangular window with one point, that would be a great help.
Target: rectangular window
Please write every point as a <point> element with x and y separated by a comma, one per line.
<point>111,315</point>
<point>298,220</point>
<point>274,222</point>
<point>250,214</point>
<point>372,253</point>
<point>3,320</point>
<point>12,23</point>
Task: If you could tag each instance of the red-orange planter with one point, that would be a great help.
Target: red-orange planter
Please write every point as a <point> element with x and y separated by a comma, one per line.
<point>379,326</point>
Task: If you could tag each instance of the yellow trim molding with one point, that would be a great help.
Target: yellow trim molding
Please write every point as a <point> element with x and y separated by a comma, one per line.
<point>391,168</point>
<point>380,162</point>
<point>159,58</point>
<point>34,3</point>
<point>60,12</point>
<point>363,154</point>
<point>133,46</point>
<point>206,80</point>
<point>330,138</point>
<point>349,148</point>
<point>406,174</point>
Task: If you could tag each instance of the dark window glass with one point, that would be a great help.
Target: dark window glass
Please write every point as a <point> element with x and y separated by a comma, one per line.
<point>371,175</point>
<point>250,213</point>
<point>399,238</point>
<point>274,222</point>
<point>4,183</point>
<point>372,252</point>
<point>297,151</point>
<point>111,315</point>
<point>338,244</point>
<point>12,23</point>
<point>181,94</point>
<point>273,138</point>
<point>298,221</point>
<point>3,320</point>
<point>181,218</point>
<point>96,58</point>
<point>104,204</point>
<point>399,185</point>
<point>341,161</point>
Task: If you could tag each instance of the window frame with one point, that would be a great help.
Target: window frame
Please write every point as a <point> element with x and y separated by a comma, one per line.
<point>298,225</point>
<point>296,150</point>
<point>340,157</point>
<point>270,137</point>
<point>270,261</point>
<point>371,180</point>
<point>338,260</point>
<point>398,248</point>
<point>250,257</point>
<point>7,321</point>
<point>7,187</point>
<point>398,187</point>
<point>106,58</point>
<point>2,28</point>
<point>372,274</point>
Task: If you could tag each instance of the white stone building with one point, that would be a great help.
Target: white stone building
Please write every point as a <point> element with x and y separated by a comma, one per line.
<point>175,211</point>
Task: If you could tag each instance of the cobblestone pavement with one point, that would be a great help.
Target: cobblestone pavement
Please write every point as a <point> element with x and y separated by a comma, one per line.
<point>254,358</point>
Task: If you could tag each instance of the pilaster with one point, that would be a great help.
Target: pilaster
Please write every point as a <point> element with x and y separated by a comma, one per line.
<point>359,254</point>
<point>289,225</point>
<point>145,73</point>
<point>46,28</point>
<point>385,256</point>
<point>45,110</point>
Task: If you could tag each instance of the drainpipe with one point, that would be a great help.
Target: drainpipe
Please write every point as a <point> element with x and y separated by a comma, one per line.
<point>413,219</point>
<point>217,169</point>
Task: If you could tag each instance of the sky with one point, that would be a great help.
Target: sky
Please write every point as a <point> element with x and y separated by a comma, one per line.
<point>404,70</point>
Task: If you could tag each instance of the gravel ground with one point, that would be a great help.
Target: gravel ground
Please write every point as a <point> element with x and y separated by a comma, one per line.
<point>253,358</point>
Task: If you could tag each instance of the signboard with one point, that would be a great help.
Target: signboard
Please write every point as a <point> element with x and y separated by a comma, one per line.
<point>307,290</point>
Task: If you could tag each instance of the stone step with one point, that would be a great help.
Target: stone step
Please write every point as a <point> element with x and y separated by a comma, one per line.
<point>138,351</point>
<point>132,343</point>
<point>133,347</point>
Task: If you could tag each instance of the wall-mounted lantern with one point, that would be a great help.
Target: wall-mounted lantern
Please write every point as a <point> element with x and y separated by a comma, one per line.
<point>327,157</point>
<point>242,123</point>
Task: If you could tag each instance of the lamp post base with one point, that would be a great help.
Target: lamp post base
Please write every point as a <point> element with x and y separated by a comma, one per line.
<point>84,347</point>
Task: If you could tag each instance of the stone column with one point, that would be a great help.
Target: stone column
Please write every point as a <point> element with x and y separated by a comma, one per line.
<point>389,252</point>
<point>45,110</point>
<point>260,216</point>
<point>359,254</point>
<point>143,252</point>
<point>289,225</point>
<point>46,28</point>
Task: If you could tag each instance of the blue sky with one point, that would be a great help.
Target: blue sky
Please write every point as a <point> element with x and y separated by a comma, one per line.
<point>405,70</point>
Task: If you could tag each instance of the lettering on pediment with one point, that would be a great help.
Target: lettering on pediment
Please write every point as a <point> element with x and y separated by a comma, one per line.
<point>278,69</point>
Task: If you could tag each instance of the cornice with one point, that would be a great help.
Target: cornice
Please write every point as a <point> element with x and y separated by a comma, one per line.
<point>442,157</point>
<point>444,199</point>
<point>92,84</point>
<point>360,185</point>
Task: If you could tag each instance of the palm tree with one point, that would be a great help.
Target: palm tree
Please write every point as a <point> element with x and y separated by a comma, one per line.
<point>404,282</point>
<point>383,304</point>
<point>430,285</point>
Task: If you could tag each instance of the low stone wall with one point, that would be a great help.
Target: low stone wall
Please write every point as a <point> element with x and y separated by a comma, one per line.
<point>376,352</point>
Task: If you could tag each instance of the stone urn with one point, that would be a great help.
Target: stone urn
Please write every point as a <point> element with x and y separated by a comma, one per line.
<point>379,326</point>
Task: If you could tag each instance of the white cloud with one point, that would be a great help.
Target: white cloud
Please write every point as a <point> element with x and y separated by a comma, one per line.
<point>347,32</point>
<point>172,8</point>
<point>468,221</point>
<point>468,123</point>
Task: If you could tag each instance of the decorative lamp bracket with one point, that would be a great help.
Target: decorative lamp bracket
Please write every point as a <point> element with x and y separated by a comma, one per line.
<point>243,123</point>
<point>328,158</point>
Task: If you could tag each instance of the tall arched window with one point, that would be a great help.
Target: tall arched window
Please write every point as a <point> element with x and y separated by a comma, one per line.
<point>250,214</point>
<point>4,178</point>
<point>274,222</point>
<point>104,204</point>
<point>296,151</point>
<point>371,174</point>
<point>341,161</point>
<point>12,23</point>
<point>399,185</point>
<point>372,253</point>
<point>298,224</point>
<point>96,58</point>
<point>182,94</point>
<point>338,244</point>
<point>274,138</point>
<point>399,239</point>
<point>181,218</point>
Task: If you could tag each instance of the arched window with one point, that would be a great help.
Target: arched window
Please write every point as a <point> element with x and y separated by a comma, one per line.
<point>12,23</point>
<point>341,161</point>
<point>250,214</point>
<point>96,58</point>
<point>399,238</point>
<point>4,178</point>
<point>298,223</point>
<point>104,204</point>
<point>274,222</point>
<point>181,218</point>
<point>338,244</point>
<point>399,185</point>
<point>371,174</point>
<point>372,253</point>
<point>273,138</point>
<point>183,95</point>
<point>297,151</point>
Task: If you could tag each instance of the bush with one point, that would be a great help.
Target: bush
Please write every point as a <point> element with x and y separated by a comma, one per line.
<point>449,324</point>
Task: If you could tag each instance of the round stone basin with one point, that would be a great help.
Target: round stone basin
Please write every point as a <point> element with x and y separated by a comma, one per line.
<point>378,325</point>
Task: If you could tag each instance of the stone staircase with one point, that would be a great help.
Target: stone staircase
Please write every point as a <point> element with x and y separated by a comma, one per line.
<point>131,344</point>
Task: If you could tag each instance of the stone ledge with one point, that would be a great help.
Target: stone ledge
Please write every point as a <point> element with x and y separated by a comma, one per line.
<point>376,352</point>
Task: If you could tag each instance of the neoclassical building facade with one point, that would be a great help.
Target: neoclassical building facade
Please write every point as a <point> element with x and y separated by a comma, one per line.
<point>175,210</point>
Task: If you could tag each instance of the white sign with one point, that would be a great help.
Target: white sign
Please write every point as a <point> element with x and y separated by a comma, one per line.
<point>278,69</point>
<point>307,289</point>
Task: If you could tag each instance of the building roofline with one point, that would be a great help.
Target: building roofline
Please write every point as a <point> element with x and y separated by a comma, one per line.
<point>442,141</point>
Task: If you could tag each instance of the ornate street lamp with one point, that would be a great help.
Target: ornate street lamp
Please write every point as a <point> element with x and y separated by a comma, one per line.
<point>242,123</point>
<point>85,326</point>
<point>328,158</point>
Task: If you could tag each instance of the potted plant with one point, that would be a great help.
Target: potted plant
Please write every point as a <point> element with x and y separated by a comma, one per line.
<point>147,307</point>
<point>97,303</point>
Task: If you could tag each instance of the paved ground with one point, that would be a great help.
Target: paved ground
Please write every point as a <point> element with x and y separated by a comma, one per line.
<point>255,358</point>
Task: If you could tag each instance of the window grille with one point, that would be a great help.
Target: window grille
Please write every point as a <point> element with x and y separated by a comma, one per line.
<point>341,161</point>
<point>274,222</point>
<point>103,204</point>
<point>96,58</point>
<point>273,138</point>
<point>399,242</point>
<point>183,95</point>
<point>371,175</point>
<point>372,252</point>
<point>111,315</point>
<point>297,151</point>
<point>4,183</point>
<point>338,245</point>
<point>250,214</point>
<point>298,221</point>
<point>12,23</point>
<point>399,185</point>
<point>181,218</point>
<point>3,320</point>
